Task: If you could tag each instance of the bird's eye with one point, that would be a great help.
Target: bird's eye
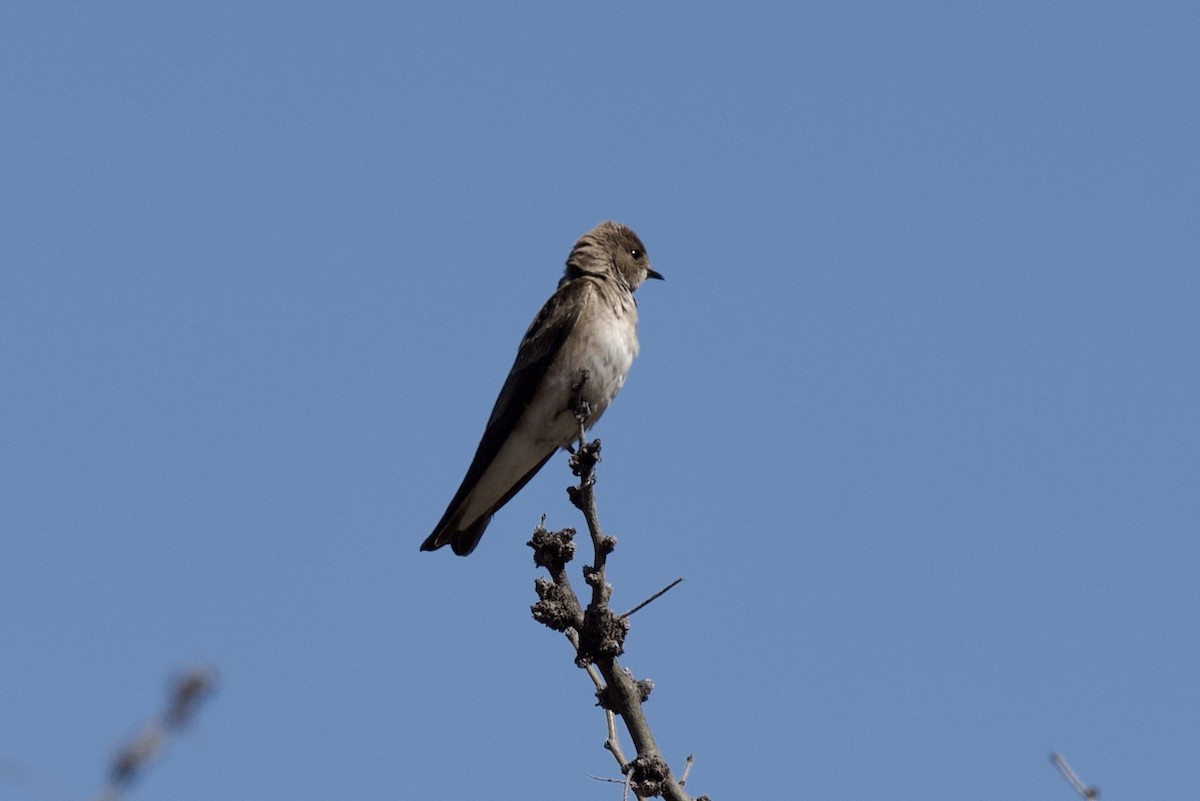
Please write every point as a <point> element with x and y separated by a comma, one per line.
<point>637,254</point>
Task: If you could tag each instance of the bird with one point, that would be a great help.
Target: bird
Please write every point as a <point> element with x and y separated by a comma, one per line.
<point>570,365</point>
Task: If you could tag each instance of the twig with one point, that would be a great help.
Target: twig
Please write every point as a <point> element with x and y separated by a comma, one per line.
<point>1085,792</point>
<point>595,778</point>
<point>623,782</point>
<point>687,769</point>
<point>653,597</point>
<point>613,743</point>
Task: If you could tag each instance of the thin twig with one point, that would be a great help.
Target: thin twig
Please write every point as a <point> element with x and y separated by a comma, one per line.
<point>687,769</point>
<point>613,743</point>
<point>1085,792</point>
<point>596,778</point>
<point>653,597</point>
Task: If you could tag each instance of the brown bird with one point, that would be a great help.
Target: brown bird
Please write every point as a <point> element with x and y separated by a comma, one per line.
<point>575,356</point>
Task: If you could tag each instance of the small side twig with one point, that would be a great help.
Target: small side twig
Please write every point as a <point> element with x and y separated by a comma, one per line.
<point>1085,792</point>
<point>653,597</point>
<point>687,768</point>
<point>623,782</point>
<point>613,743</point>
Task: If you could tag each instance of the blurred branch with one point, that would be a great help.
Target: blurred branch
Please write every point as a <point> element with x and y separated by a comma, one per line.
<point>1085,792</point>
<point>136,756</point>
<point>598,634</point>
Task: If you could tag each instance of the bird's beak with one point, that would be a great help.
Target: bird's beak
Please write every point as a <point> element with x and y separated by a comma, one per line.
<point>654,274</point>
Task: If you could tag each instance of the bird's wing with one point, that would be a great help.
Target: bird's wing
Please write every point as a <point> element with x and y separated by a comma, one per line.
<point>541,343</point>
<point>539,346</point>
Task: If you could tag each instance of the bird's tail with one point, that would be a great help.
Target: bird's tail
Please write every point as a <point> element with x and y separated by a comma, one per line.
<point>461,542</point>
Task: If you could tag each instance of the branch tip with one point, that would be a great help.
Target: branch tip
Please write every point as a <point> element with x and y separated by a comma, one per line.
<point>654,597</point>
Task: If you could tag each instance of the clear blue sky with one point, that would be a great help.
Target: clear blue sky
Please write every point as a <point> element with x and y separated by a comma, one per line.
<point>917,414</point>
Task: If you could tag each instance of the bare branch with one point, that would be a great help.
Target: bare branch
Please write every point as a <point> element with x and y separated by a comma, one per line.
<point>136,756</point>
<point>598,634</point>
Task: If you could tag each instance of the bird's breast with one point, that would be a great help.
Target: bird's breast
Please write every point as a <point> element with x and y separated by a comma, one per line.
<point>592,366</point>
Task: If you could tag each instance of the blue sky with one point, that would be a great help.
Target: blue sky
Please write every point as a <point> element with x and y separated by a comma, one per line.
<point>917,414</point>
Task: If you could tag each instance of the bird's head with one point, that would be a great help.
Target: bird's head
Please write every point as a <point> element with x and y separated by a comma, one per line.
<point>611,250</point>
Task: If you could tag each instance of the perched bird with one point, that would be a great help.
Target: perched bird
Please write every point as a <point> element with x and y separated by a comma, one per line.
<point>573,360</point>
